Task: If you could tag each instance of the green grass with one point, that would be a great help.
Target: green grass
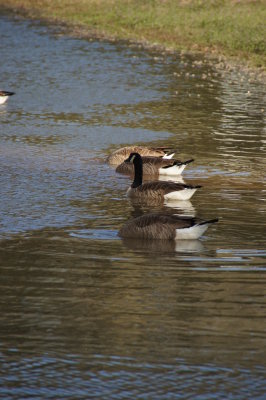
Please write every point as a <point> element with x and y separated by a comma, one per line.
<point>232,28</point>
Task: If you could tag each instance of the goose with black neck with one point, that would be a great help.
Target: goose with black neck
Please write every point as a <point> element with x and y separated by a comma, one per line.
<point>161,190</point>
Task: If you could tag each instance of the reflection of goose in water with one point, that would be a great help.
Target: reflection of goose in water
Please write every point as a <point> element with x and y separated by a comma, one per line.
<point>156,166</point>
<point>119,155</point>
<point>181,207</point>
<point>161,190</point>
<point>177,206</point>
<point>4,95</point>
<point>165,227</point>
<point>161,246</point>
<point>177,178</point>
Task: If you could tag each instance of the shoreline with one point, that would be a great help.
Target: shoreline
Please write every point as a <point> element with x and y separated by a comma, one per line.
<point>219,61</point>
<point>215,57</point>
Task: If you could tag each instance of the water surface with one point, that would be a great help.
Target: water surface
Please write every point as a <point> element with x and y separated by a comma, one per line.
<point>84,314</point>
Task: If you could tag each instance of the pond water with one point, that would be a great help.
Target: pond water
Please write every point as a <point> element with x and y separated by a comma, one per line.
<point>84,314</point>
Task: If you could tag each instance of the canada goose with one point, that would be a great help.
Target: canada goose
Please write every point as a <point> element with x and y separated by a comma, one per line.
<point>155,166</point>
<point>164,226</point>
<point>4,96</point>
<point>119,155</point>
<point>161,190</point>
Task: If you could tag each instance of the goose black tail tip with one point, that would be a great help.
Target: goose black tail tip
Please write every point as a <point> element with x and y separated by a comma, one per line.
<point>179,163</point>
<point>188,161</point>
<point>210,221</point>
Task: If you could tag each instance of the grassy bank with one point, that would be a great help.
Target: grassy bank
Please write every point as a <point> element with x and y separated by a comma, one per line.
<point>233,28</point>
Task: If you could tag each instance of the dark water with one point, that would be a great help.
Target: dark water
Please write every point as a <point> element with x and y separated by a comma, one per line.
<point>84,314</point>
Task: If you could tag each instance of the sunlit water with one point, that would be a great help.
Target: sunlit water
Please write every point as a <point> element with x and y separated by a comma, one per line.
<point>84,314</point>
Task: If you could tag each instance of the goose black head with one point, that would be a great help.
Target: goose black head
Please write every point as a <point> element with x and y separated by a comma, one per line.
<point>133,157</point>
<point>136,160</point>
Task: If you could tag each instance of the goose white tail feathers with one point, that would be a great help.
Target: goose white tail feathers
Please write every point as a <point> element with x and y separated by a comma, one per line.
<point>176,169</point>
<point>168,156</point>
<point>184,193</point>
<point>195,231</point>
<point>165,227</point>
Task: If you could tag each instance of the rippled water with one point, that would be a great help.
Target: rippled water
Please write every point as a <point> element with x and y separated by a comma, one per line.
<point>84,314</point>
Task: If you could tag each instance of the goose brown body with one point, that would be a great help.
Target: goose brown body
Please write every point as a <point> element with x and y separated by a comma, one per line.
<point>158,189</point>
<point>163,226</point>
<point>119,155</point>
<point>152,165</point>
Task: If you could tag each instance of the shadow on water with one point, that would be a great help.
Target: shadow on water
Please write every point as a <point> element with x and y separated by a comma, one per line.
<point>82,311</point>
